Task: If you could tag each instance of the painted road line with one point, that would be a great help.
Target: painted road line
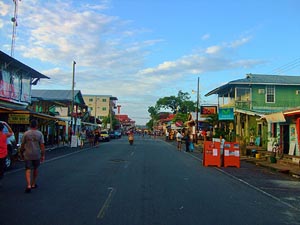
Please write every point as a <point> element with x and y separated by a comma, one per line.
<point>106,204</point>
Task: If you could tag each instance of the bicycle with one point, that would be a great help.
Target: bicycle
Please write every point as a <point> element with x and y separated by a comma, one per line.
<point>277,150</point>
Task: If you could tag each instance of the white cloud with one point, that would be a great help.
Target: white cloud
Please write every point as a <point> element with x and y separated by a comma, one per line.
<point>205,37</point>
<point>213,49</point>
<point>4,9</point>
<point>238,43</point>
<point>109,53</point>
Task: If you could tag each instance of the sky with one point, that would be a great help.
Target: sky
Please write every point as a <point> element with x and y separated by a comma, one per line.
<point>143,50</point>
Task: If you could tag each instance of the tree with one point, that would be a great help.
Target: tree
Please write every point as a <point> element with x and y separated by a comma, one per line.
<point>180,103</point>
<point>115,121</point>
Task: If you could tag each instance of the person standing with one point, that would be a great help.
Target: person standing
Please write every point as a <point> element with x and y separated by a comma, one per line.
<point>187,141</point>
<point>167,135</point>
<point>82,136</point>
<point>179,140</point>
<point>33,150</point>
<point>3,147</point>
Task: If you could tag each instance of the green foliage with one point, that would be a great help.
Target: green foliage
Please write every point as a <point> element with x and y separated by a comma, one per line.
<point>180,105</point>
<point>180,117</point>
<point>106,120</point>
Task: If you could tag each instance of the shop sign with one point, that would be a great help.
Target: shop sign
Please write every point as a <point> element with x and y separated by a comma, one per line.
<point>208,110</point>
<point>226,114</point>
<point>18,118</point>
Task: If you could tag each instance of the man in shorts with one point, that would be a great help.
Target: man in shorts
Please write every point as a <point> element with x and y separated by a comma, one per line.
<point>33,150</point>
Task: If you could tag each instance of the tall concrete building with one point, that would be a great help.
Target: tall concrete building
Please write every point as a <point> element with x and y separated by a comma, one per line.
<point>100,106</point>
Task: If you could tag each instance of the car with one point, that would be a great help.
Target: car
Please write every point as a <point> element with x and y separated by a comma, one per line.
<point>118,134</point>
<point>112,135</point>
<point>12,148</point>
<point>104,136</point>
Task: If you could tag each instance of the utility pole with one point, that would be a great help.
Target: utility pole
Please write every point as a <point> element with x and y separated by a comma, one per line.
<point>197,109</point>
<point>15,24</point>
<point>72,105</point>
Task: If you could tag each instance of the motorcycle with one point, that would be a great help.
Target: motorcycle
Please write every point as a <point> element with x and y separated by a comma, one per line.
<point>130,139</point>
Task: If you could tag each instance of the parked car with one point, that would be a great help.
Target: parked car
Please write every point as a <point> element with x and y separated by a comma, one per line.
<point>104,136</point>
<point>118,134</point>
<point>12,148</point>
<point>112,135</point>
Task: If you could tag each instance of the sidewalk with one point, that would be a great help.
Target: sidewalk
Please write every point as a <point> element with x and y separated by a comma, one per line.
<point>281,166</point>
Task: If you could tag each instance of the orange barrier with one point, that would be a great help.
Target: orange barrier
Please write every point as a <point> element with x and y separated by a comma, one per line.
<point>211,154</point>
<point>232,154</point>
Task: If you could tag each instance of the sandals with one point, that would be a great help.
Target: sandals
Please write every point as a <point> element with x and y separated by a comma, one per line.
<point>34,186</point>
<point>28,190</point>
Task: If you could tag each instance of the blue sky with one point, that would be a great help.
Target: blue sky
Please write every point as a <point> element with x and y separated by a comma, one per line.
<point>142,50</point>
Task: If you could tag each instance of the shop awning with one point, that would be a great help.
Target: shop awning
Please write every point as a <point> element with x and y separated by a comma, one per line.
<point>275,117</point>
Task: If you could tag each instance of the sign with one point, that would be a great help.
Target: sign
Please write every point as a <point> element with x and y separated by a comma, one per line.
<point>208,110</point>
<point>74,141</point>
<point>18,118</point>
<point>226,114</point>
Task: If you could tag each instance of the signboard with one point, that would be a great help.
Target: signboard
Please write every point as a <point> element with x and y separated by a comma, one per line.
<point>208,110</point>
<point>226,114</point>
<point>18,118</point>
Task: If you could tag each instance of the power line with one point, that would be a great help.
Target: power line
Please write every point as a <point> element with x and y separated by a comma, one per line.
<point>287,67</point>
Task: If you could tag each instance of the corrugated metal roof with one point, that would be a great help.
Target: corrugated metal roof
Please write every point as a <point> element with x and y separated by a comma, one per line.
<point>56,95</point>
<point>17,64</point>
<point>257,79</point>
<point>268,79</point>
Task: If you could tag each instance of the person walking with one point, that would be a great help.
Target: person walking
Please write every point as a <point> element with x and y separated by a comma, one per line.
<point>33,150</point>
<point>3,147</point>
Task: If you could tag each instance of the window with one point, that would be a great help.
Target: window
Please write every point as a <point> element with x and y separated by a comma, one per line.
<point>270,95</point>
<point>90,100</point>
<point>243,94</point>
<point>103,99</point>
<point>104,108</point>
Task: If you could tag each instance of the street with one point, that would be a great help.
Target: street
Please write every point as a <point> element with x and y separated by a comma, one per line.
<point>147,183</point>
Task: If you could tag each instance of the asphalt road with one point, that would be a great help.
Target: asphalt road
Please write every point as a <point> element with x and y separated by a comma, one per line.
<point>147,183</point>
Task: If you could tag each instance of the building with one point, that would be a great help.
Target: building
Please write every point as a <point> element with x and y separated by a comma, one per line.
<point>252,98</point>
<point>101,106</point>
<point>60,118</point>
<point>16,81</point>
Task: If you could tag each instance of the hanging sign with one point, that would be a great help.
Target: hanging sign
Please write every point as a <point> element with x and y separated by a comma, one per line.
<point>226,114</point>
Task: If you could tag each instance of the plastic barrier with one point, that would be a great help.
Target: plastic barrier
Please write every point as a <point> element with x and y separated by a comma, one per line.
<point>232,154</point>
<point>211,154</point>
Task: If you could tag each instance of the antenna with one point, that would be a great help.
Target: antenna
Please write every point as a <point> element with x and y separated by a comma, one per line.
<point>15,24</point>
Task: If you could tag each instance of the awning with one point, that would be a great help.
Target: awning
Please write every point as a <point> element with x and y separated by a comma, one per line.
<point>275,117</point>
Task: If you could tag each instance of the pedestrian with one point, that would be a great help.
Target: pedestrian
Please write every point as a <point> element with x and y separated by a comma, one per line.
<point>167,135</point>
<point>96,136</point>
<point>33,150</point>
<point>187,141</point>
<point>3,147</point>
<point>82,136</point>
<point>179,140</point>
